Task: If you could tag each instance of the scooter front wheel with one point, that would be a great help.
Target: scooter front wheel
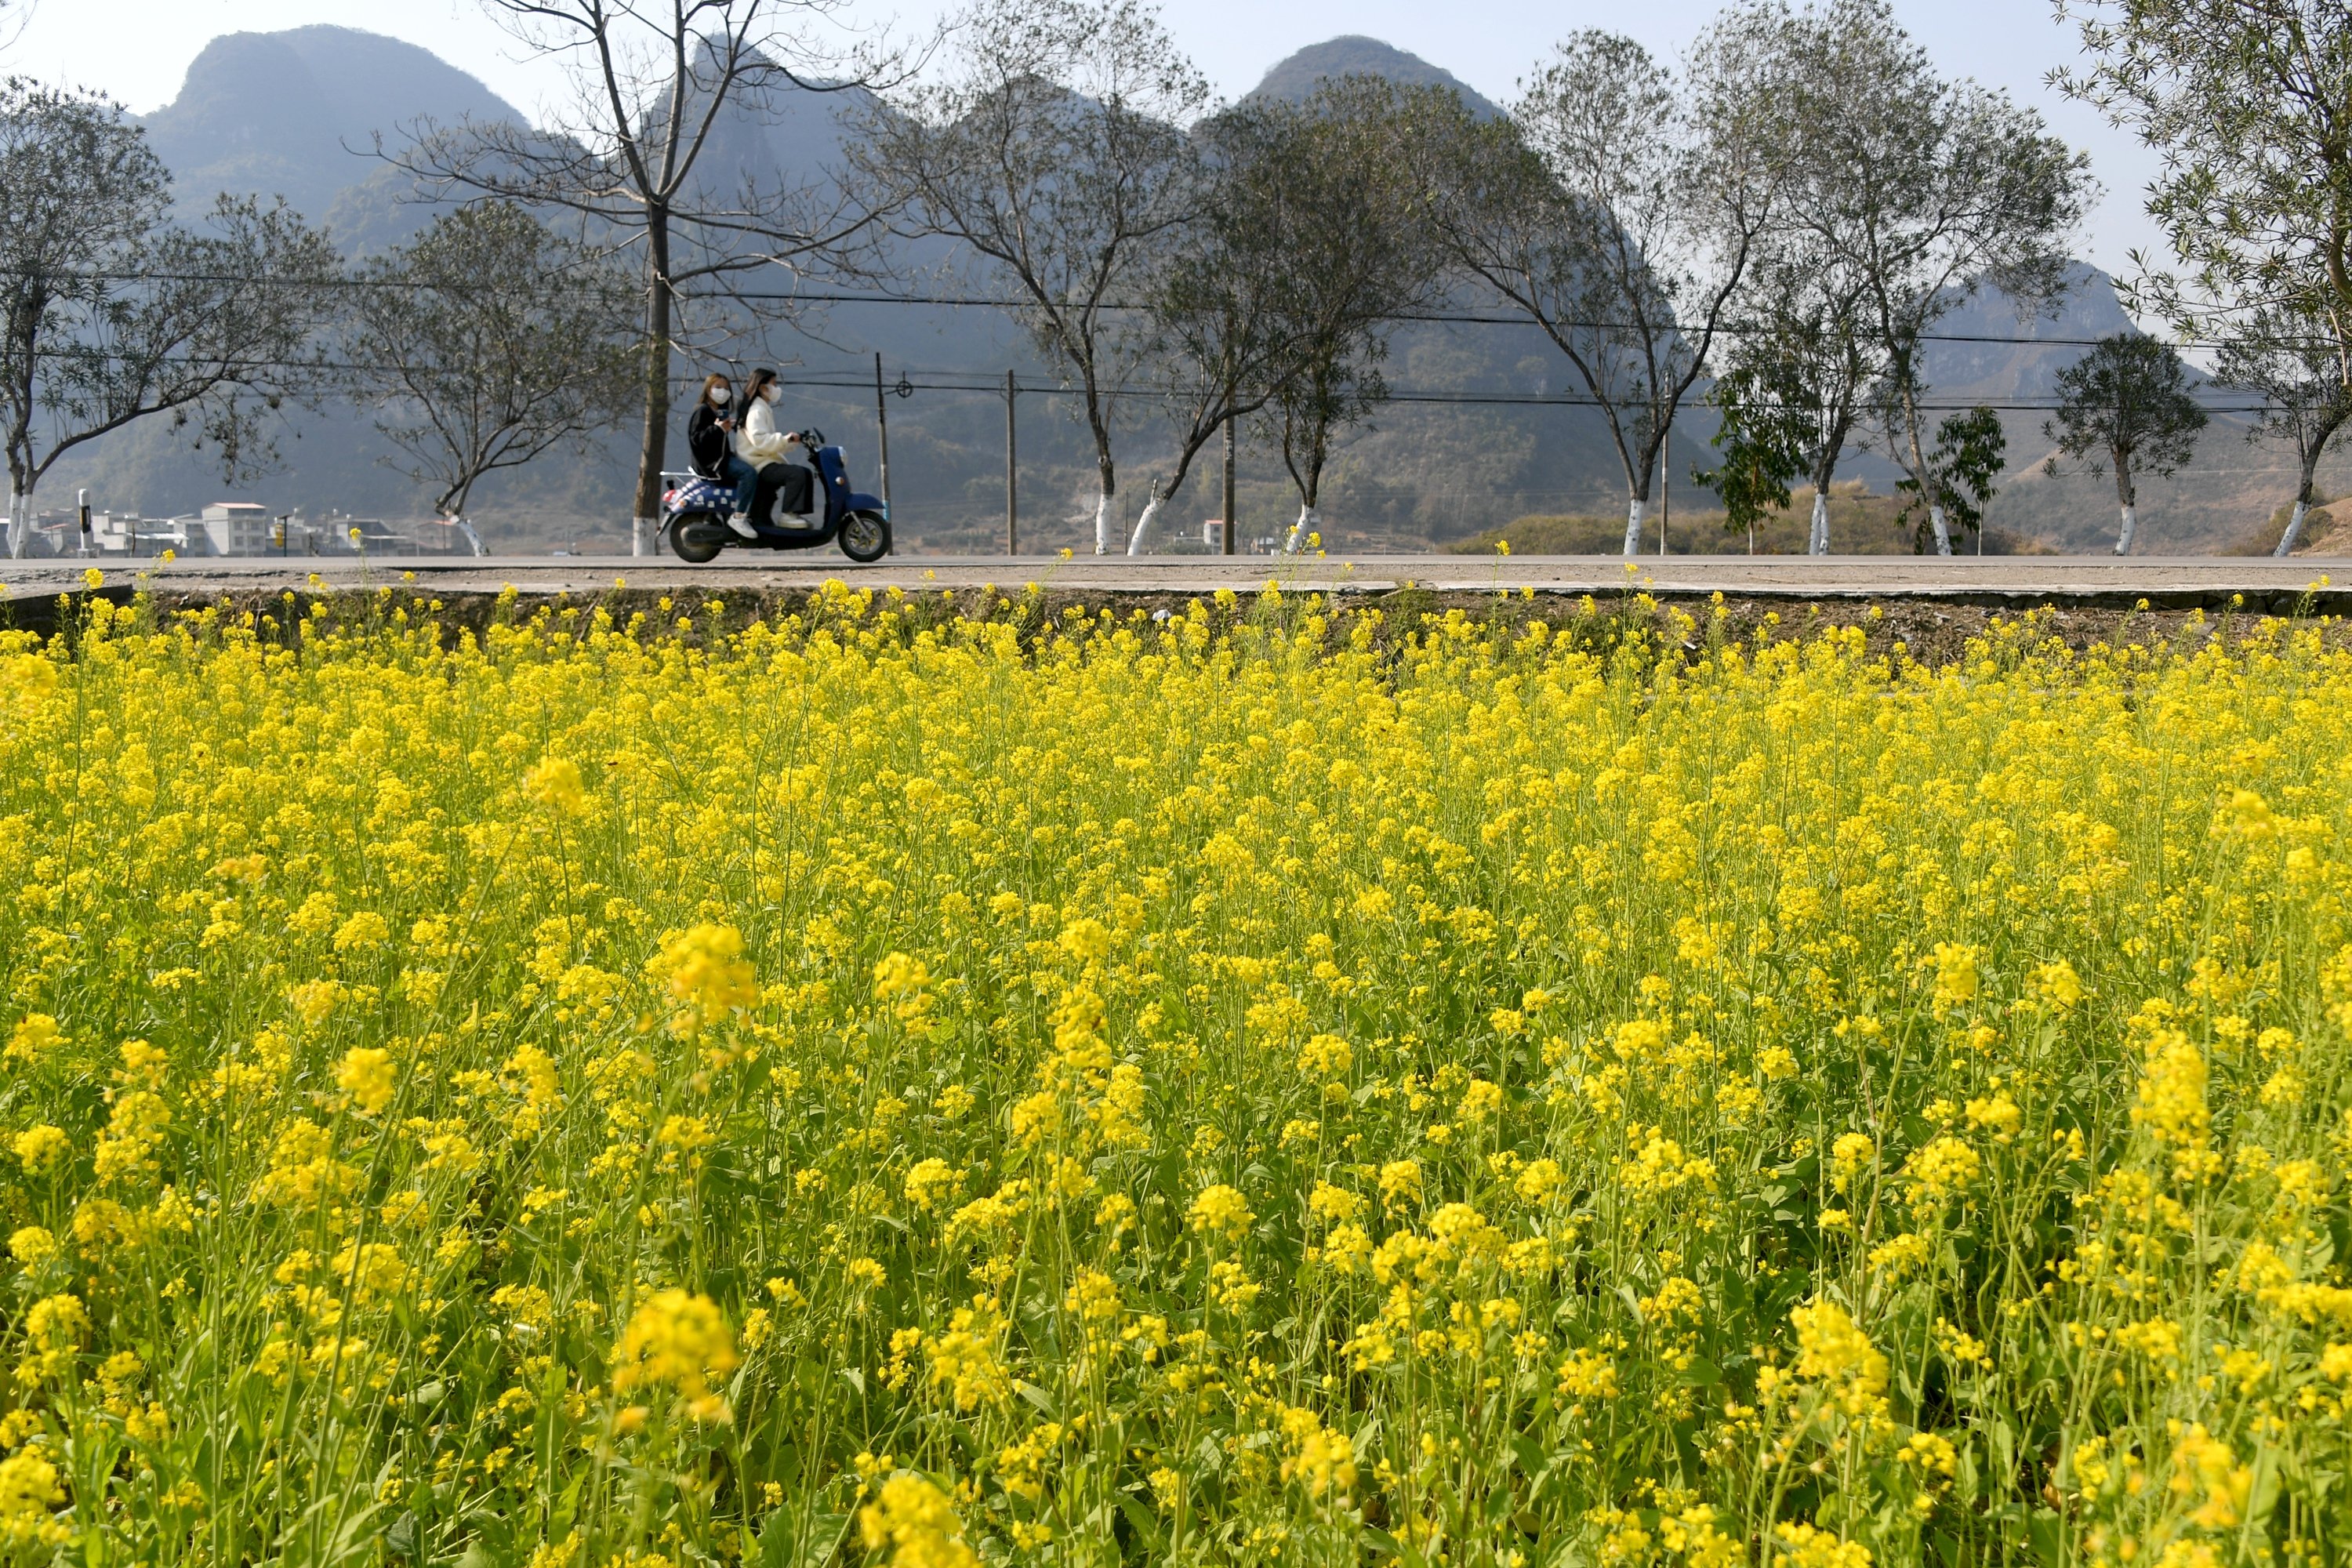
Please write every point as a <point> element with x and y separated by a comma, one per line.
<point>696,538</point>
<point>866,537</point>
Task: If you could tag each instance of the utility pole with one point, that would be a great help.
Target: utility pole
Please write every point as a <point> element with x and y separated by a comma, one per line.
<point>882,423</point>
<point>1012,471</point>
<point>1229,484</point>
<point>1665,485</point>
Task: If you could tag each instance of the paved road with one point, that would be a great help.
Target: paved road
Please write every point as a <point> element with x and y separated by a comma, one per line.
<point>2091,580</point>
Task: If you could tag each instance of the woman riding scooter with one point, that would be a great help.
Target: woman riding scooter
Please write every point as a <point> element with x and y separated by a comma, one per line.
<point>707,434</point>
<point>759,443</point>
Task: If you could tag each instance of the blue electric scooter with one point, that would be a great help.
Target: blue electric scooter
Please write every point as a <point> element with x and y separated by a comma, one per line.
<point>694,512</point>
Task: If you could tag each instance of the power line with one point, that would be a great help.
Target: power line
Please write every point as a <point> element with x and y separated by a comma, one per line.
<point>1447,318</point>
<point>993,387</point>
<point>1452,317</point>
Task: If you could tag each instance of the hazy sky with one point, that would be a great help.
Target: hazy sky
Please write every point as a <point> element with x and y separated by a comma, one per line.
<point>138,50</point>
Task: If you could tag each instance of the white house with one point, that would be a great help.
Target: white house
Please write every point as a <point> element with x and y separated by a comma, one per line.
<point>237,528</point>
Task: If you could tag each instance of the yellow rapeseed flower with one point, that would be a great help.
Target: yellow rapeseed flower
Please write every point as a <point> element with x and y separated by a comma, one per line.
<point>911,1523</point>
<point>708,976</point>
<point>367,1075</point>
<point>678,1340</point>
<point>555,784</point>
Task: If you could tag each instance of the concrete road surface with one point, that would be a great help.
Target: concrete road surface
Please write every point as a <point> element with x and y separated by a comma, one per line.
<point>2257,584</point>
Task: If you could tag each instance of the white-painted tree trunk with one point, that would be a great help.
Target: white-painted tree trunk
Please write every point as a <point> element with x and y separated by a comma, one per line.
<point>1298,531</point>
<point>2294,533</point>
<point>641,530</point>
<point>1817,543</point>
<point>1637,512</point>
<point>20,526</point>
<point>1943,530</point>
<point>1140,542</point>
<point>2131,526</point>
<point>1102,523</point>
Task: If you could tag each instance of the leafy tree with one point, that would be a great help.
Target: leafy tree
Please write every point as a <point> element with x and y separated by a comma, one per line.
<point>487,342</point>
<point>1927,191</point>
<point>2246,99</point>
<point>1809,354</point>
<point>2297,366</point>
<point>110,315</point>
<point>1056,150</point>
<point>1762,439</point>
<point>1307,244</point>
<point>645,150</point>
<point>1231,309</point>
<point>1618,208</point>
<point>2126,406</point>
<point>1955,482</point>
<point>1359,250</point>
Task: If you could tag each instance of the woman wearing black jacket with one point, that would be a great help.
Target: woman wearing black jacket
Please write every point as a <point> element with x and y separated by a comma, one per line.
<point>711,449</point>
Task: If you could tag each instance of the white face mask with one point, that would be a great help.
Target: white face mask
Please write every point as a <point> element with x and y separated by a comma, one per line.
<point>768,393</point>
<point>720,396</point>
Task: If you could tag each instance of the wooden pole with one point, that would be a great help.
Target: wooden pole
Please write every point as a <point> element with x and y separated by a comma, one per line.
<point>1011,473</point>
<point>1229,484</point>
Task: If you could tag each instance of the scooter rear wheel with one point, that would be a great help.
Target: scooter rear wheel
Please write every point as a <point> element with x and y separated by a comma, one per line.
<point>866,537</point>
<point>690,538</point>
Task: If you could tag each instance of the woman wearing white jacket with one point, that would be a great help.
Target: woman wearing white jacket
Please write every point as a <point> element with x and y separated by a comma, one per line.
<point>760,443</point>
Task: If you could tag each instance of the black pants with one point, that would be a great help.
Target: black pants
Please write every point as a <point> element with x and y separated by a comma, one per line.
<point>784,489</point>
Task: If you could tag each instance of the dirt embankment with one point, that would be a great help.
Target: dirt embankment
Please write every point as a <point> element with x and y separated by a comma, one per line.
<point>1932,631</point>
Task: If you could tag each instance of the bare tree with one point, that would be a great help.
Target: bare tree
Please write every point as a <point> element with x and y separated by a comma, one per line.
<point>1057,150</point>
<point>112,315</point>
<point>1359,249</point>
<point>488,342</point>
<point>657,91</point>
<point>1618,208</point>
<point>2126,406</point>
<point>2296,364</point>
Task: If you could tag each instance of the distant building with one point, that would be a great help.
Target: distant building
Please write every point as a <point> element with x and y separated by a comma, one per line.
<point>1213,533</point>
<point>128,534</point>
<point>237,528</point>
<point>373,535</point>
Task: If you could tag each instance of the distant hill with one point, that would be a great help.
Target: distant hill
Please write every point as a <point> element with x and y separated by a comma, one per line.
<point>295,113</point>
<point>1294,80</point>
<point>1999,372</point>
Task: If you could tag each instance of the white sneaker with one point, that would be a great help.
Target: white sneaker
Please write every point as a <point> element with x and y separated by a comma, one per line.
<point>741,524</point>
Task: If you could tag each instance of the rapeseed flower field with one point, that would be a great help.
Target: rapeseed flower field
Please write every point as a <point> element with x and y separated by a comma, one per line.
<point>1267,1084</point>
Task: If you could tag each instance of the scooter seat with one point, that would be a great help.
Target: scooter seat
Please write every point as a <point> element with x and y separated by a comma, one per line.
<point>704,495</point>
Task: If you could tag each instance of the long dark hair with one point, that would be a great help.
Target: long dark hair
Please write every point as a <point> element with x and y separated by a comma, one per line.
<point>757,384</point>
